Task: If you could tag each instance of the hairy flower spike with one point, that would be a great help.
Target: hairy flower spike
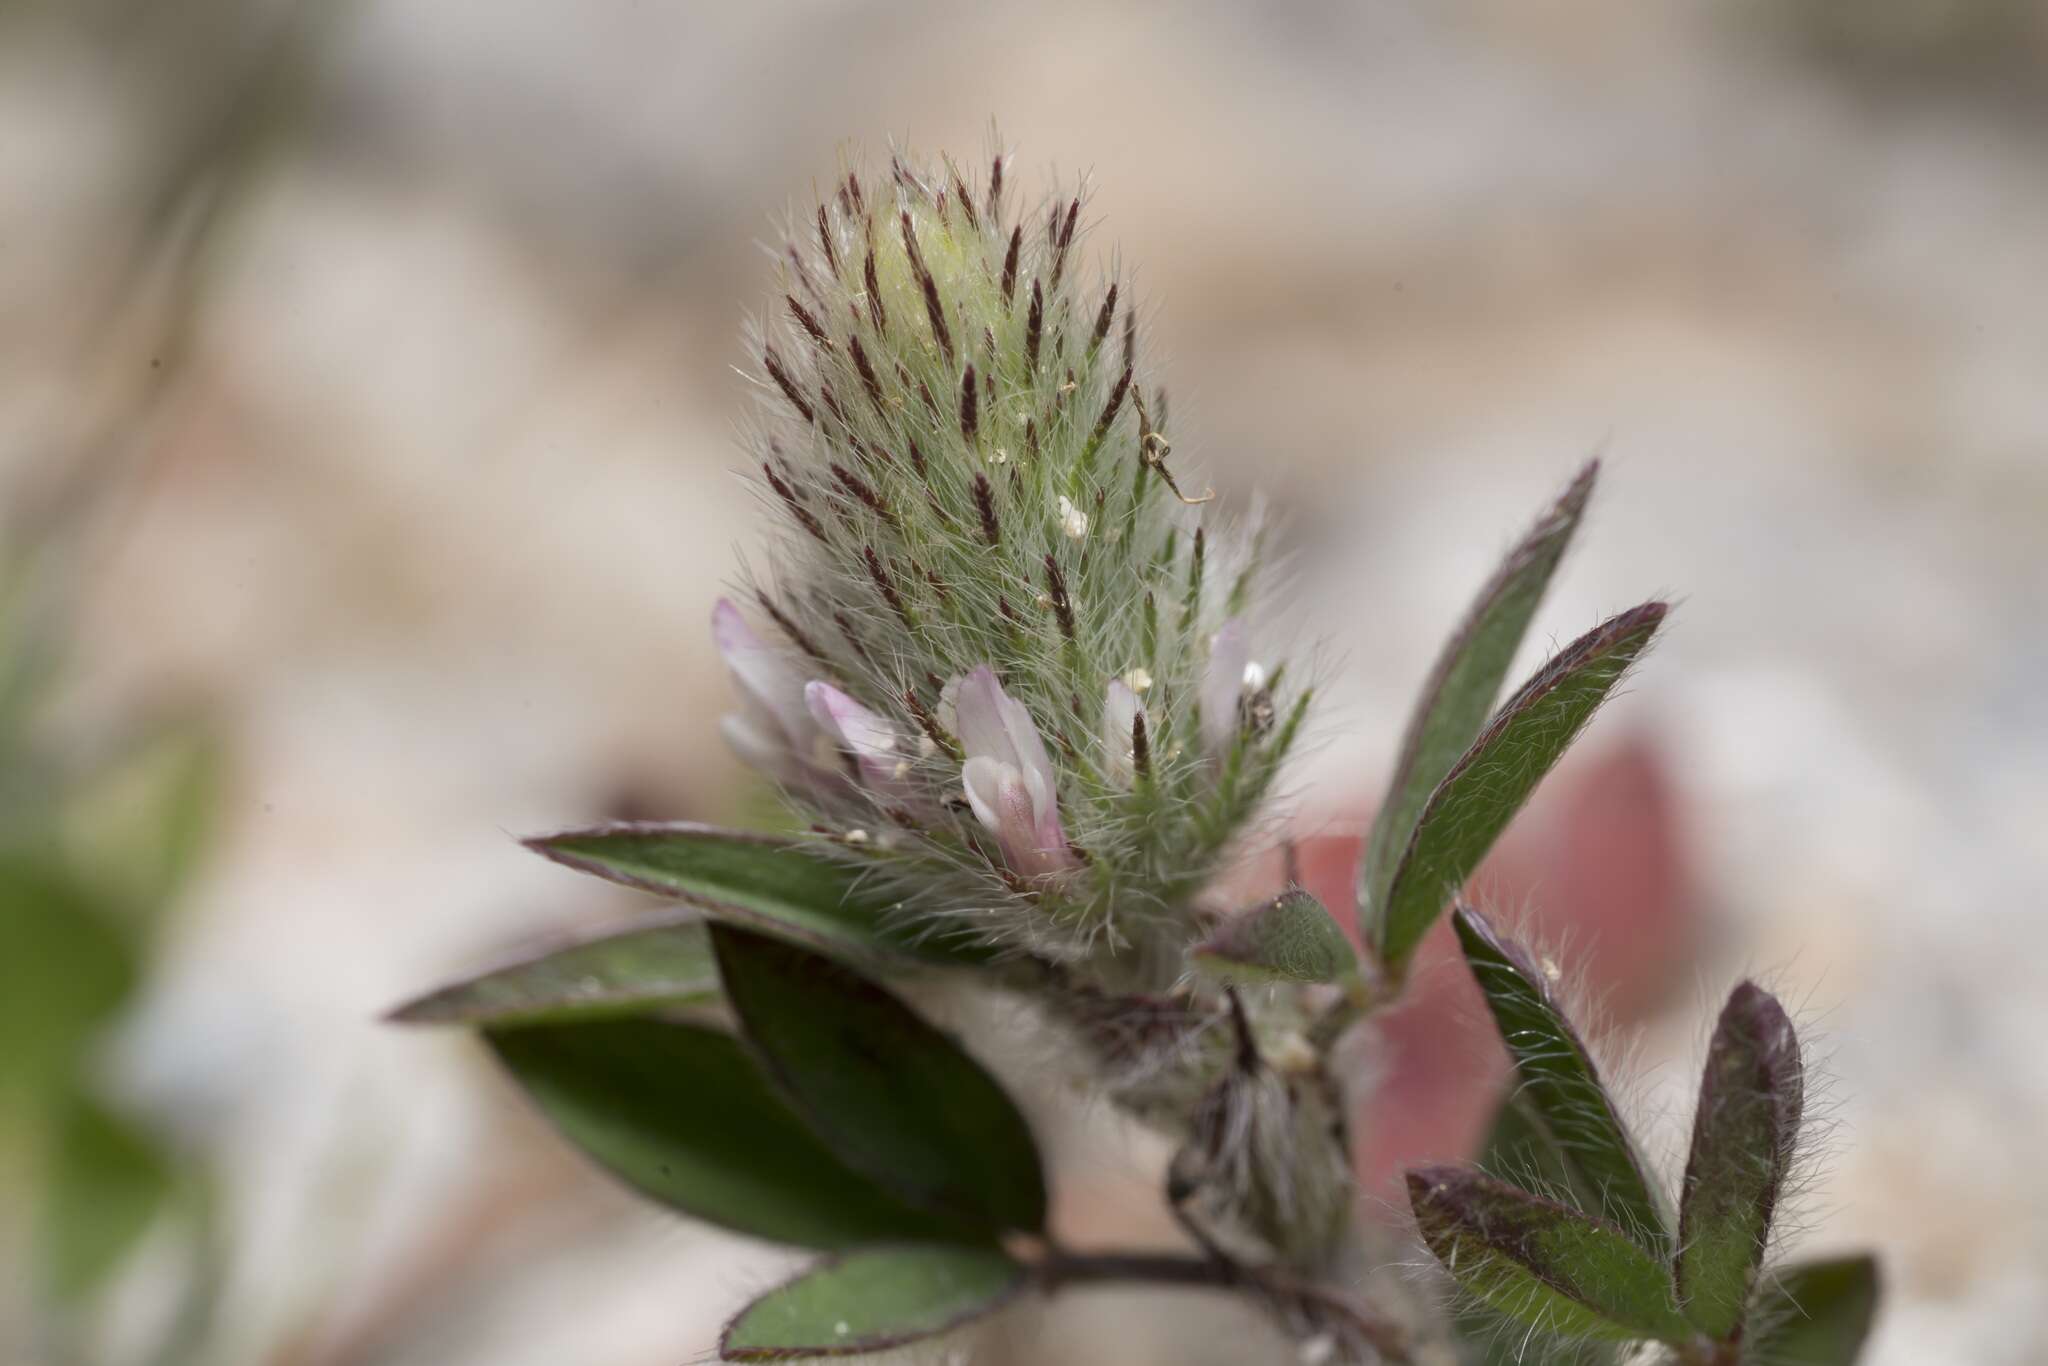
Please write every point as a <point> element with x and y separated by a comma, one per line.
<point>969,510</point>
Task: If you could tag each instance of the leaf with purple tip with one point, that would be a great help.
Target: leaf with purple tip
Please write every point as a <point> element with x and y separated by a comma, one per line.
<point>1743,1136</point>
<point>1485,788</point>
<point>1462,688</point>
<point>1537,1261</point>
<point>1565,1101</point>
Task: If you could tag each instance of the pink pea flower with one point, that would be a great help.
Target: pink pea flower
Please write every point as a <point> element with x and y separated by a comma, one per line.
<point>774,730</point>
<point>861,734</point>
<point>1008,776</point>
<point>1222,684</point>
<point>1120,712</point>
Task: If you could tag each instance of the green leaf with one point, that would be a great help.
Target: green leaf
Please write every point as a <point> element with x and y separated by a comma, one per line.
<point>682,1114</point>
<point>1537,1261</point>
<point>893,1096</point>
<point>1291,938</point>
<point>108,1183</point>
<point>777,886</point>
<point>1485,788</point>
<point>872,1301</point>
<point>66,968</point>
<point>1751,1097</point>
<point>1520,1149</point>
<point>1461,690</point>
<point>1814,1314</point>
<point>659,961</point>
<point>1567,1109</point>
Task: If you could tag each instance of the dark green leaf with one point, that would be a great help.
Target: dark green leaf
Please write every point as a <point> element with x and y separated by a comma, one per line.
<point>872,1301</point>
<point>682,1114</point>
<point>773,885</point>
<point>1485,788</point>
<point>662,960</point>
<point>1291,938</point>
<point>893,1096</point>
<point>1539,1262</point>
<point>108,1183</point>
<point>1814,1314</point>
<point>1567,1106</point>
<point>1461,691</point>
<point>1743,1135</point>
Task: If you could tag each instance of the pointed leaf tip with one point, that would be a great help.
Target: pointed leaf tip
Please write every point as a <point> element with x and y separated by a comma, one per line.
<point>1488,785</point>
<point>1291,938</point>
<point>1462,688</point>
<point>1537,1261</point>
<point>872,1301</point>
<point>1752,1094</point>
<point>1561,1093</point>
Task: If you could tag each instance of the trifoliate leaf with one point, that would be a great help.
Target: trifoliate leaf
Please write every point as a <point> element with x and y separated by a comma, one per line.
<point>683,1115</point>
<point>871,1301</point>
<point>1291,938</point>
<point>1565,1099</point>
<point>1743,1136</point>
<point>1541,1263</point>
<point>891,1095</point>
<point>773,885</point>
<point>1461,691</point>
<point>1814,1314</point>
<point>659,961</point>
<point>1485,788</point>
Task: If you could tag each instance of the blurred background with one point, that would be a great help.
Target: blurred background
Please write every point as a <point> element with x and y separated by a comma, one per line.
<point>366,412</point>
